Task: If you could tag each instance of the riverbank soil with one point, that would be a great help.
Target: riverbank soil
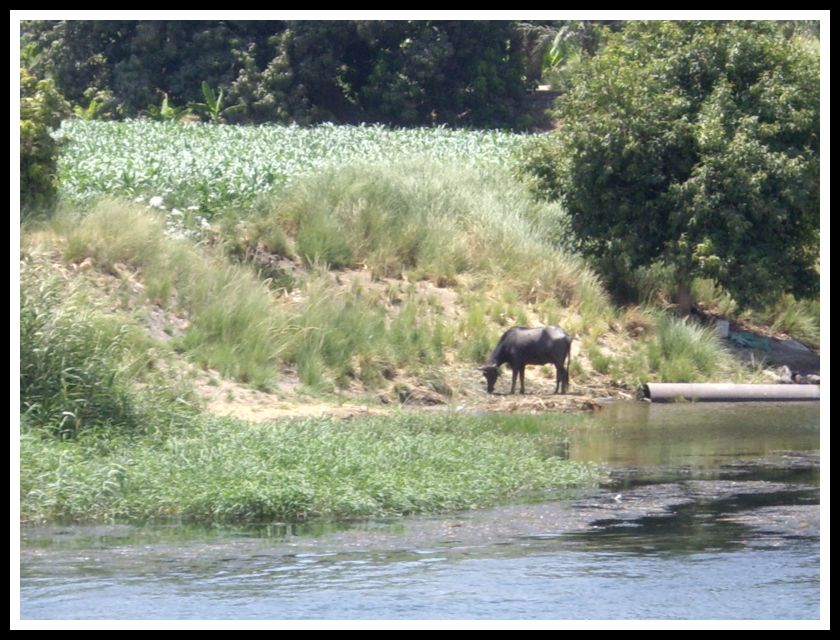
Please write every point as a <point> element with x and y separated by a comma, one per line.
<point>448,385</point>
<point>292,400</point>
<point>462,387</point>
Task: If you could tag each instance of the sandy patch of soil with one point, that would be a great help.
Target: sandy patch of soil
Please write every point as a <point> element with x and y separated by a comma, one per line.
<point>226,398</point>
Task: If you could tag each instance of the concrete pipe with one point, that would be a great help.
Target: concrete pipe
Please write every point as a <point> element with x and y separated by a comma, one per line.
<point>672,392</point>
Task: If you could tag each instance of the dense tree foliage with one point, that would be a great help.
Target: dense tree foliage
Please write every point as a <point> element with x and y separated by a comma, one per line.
<point>696,144</point>
<point>403,73</point>
<point>136,62</point>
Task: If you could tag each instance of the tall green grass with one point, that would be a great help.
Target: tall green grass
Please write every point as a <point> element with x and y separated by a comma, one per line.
<point>682,351</point>
<point>665,349</point>
<point>237,325</point>
<point>436,221</point>
<point>72,361</point>
<point>224,471</point>
<point>800,319</point>
<point>83,369</point>
<point>233,317</point>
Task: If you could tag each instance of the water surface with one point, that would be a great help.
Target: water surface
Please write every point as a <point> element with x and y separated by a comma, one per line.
<point>712,513</point>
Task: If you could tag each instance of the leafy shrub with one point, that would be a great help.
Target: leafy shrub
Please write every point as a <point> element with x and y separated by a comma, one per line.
<point>694,143</point>
<point>41,111</point>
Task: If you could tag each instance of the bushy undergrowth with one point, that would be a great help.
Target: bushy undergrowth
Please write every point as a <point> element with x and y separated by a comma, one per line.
<point>226,471</point>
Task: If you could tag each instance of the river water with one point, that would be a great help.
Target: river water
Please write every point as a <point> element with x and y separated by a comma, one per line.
<point>712,513</point>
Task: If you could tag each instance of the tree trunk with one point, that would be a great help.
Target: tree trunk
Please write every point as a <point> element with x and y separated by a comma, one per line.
<point>684,298</point>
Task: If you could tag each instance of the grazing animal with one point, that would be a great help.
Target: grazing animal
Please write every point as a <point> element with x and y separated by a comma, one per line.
<point>521,346</point>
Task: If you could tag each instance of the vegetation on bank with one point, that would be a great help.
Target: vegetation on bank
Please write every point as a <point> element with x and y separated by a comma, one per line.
<point>111,428</point>
<point>261,294</point>
<point>225,471</point>
<point>696,145</point>
<point>373,264</point>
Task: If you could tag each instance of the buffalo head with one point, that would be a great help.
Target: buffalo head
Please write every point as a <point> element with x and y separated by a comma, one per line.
<point>491,374</point>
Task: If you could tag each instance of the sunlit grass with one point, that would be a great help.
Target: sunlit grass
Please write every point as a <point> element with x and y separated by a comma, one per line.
<point>437,221</point>
<point>225,471</point>
<point>233,318</point>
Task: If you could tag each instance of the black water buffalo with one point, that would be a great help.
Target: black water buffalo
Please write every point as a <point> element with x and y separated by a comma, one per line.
<point>520,346</point>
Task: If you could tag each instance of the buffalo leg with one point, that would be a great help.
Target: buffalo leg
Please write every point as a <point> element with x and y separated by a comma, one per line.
<point>518,371</point>
<point>562,378</point>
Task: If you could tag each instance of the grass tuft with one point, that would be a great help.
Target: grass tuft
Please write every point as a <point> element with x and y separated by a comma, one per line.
<point>799,319</point>
<point>682,351</point>
<point>73,372</point>
<point>82,369</point>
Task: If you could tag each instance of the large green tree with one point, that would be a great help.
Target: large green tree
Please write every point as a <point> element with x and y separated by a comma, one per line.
<point>464,73</point>
<point>404,73</point>
<point>697,144</point>
<point>136,62</point>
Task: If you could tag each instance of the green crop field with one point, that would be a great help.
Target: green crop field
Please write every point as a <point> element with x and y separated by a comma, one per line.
<point>208,168</point>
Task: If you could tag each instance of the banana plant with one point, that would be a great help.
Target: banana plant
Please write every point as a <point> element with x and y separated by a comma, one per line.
<point>212,105</point>
<point>165,112</point>
<point>91,112</point>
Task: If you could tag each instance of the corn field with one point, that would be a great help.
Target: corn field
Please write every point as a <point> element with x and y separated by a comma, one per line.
<point>207,168</point>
